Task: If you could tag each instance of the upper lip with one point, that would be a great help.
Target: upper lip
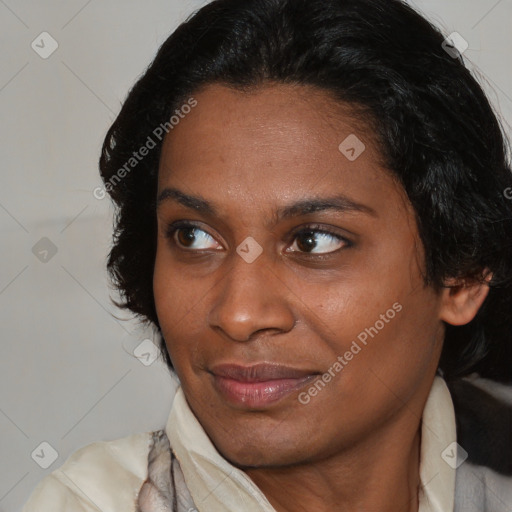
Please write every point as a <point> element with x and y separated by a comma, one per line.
<point>260,372</point>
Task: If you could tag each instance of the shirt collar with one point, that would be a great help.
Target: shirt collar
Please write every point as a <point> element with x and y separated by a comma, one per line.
<point>217,486</point>
<point>438,440</point>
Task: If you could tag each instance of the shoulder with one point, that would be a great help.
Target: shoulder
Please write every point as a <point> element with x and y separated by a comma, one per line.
<point>481,489</point>
<point>483,414</point>
<point>105,475</point>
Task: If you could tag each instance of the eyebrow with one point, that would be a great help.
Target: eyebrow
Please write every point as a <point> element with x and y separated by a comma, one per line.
<point>339,203</point>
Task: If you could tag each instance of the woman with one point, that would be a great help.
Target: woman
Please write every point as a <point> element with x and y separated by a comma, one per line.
<point>312,212</point>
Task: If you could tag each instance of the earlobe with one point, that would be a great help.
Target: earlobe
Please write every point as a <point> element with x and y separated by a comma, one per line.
<point>461,299</point>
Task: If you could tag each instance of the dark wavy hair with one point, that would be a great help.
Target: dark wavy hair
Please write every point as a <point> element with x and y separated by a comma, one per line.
<point>435,127</point>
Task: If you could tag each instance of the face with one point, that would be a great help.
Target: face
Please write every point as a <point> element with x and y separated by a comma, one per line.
<point>288,276</point>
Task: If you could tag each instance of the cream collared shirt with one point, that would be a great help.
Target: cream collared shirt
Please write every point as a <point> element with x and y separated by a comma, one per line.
<point>108,475</point>
<point>217,486</point>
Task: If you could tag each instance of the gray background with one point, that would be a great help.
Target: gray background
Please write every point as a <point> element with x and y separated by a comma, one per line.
<point>68,374</point>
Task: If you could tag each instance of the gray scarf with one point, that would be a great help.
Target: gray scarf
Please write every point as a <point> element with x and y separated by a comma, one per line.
<point>165,489</point>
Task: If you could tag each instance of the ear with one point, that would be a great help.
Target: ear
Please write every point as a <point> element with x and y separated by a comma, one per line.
<point>461,299</point>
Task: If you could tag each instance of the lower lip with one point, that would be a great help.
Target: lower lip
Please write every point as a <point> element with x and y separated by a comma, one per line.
<point>257,394</point>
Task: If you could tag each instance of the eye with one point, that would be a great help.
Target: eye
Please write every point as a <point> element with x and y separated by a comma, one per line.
<point>315,240</point>
<point>189,236</point>
<point>309,240</point>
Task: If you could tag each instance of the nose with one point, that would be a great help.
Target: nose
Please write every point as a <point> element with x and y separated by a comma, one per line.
<point>251,298</point>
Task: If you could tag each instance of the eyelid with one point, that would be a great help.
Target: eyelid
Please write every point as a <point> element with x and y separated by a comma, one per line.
<point>319,228</point>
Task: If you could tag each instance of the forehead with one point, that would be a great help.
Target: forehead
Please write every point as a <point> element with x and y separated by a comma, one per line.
<point>275,112</point>
<point>272,143</point>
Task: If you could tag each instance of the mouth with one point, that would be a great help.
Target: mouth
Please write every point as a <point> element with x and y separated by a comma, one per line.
<point>258,385</point>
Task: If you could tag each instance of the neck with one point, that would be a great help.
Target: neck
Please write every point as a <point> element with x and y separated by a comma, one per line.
<point>379,473</point>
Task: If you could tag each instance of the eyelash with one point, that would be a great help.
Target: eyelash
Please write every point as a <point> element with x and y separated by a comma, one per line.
<point>315,228</point>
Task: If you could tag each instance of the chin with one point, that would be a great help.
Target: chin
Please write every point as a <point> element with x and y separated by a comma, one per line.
<point>251,457</point>
<point>261,450</point>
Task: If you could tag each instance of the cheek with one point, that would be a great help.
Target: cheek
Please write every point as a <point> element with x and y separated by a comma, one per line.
<point>383,322</point>
<point>399,348</point>
<point>177,303</point>
<point>175,294</point>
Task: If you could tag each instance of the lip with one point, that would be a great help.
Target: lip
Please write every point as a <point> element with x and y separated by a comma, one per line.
<point>258,385</point>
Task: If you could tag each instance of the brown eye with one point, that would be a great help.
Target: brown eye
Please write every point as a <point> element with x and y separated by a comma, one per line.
<point>186,236</point>
<point>318,241</point>
<point>189,236</point>
<point>306,241</point>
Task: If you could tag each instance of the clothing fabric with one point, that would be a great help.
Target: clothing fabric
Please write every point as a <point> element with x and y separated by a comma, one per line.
<point>217,486</point>
<point>142,473</point>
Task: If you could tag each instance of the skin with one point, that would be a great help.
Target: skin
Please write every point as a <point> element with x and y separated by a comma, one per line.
<point>357,441</point>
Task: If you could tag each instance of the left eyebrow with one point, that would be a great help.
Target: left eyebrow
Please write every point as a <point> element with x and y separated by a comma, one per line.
<point>339,203</point>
